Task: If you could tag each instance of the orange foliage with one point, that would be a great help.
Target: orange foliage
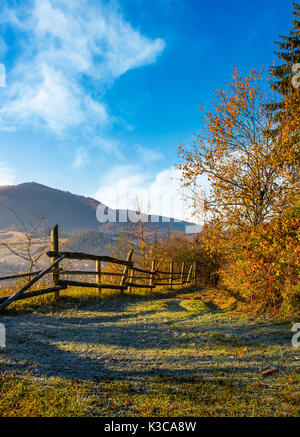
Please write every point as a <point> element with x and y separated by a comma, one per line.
<point>252,174</point>
<point>263,265</point>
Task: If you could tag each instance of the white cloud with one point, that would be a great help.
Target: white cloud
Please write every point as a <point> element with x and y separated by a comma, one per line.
<point>126,188</point>
<point>7,175</point>
<point>81,158</point>
<point>3,46</point>
<point>148,155</point>
<point>2,76</point>
<point>71,50</point>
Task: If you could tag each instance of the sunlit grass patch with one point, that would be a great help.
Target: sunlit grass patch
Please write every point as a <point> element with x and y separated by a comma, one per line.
<point>135,355</point>
<point>195,395</point>
<point>24,396</point>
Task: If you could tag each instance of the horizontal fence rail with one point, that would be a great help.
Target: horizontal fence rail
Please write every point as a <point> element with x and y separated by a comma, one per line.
<point>35,293</point>
<point>91,285</point>
<point>137,269</point>
<point>27,286</point>
<point>131,277</point>
<point>19,275</point>
<point>87,273</point>
<point>87,257</point>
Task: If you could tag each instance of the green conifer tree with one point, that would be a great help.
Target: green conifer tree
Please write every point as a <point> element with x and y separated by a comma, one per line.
<point>289,53</point>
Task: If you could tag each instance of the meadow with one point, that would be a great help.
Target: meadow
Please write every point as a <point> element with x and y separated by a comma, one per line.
<point>183,352</point>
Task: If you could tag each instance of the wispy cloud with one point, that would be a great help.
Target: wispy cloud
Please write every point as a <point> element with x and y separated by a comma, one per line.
<point>2,76</point>
<point>7,174</point>
<point>70,52</point>
<point>125,187</point>
<point>148,155</point>
<point>81,158</point>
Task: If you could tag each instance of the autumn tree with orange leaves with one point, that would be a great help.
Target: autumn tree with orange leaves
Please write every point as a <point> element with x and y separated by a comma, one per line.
<point>252,175</point>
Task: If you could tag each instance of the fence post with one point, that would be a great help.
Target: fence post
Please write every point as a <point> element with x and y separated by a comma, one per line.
<point>125,270</point>
<point>152,275</point>
<point>189,274</point>
<point>131,278</point>
<point>55,247</point>
<point>171,274</point>
<point>182,272</point>
<point>98,276</point>
<point>194,272</point>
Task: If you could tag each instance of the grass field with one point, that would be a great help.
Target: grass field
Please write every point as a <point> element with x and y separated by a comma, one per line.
<point>182,353</point>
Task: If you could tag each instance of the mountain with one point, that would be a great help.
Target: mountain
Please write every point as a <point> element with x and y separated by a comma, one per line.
<point>29,201</point>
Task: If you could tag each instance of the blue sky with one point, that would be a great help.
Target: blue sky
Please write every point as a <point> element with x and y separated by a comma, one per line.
<point>100,93</point>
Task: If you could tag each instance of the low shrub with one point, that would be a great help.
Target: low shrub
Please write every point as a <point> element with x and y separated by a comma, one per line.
<point>263,264</point>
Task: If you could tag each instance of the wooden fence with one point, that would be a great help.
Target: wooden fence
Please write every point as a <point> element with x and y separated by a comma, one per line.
<point>129,278</point>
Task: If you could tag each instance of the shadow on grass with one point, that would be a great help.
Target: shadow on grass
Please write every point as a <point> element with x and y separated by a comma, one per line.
<point>237,296</point>
<point>47,359</point>
<point>96,339</point>
<point>87,346</point>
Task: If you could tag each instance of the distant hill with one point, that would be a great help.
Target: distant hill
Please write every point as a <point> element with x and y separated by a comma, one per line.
<point>70,211</point>
<point>94,242</point>
<point>31,200</point>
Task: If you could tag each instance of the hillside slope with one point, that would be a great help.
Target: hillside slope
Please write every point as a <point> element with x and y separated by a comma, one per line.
<point>71,212</point>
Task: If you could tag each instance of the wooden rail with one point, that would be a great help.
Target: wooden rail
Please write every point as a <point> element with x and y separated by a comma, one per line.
<point>34,293</point>
<point>139,270</point>
<point>15,296</point>
<point>88,273</point>
<point>128,278</point>
<point>90,285</point>
<point>89,257</point>
<point>19,275</point>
